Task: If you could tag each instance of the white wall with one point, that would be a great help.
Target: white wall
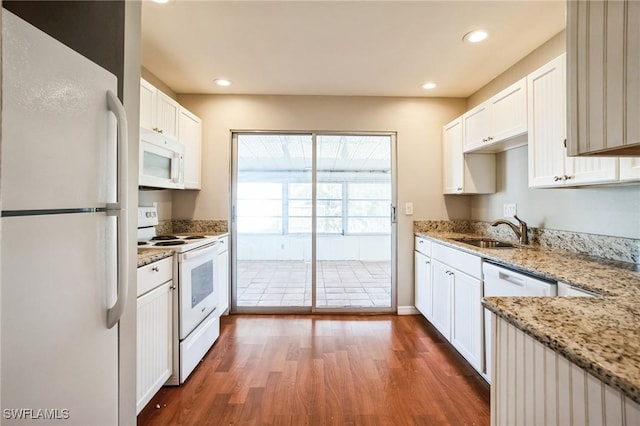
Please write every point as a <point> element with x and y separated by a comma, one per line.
<point>605,210</point>
<point>417,121</point>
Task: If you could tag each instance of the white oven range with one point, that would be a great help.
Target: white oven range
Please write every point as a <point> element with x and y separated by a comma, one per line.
<point>196,326</point>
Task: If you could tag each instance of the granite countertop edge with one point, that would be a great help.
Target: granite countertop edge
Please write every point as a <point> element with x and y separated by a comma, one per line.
<point>150,255</point>
<point>550,320</point>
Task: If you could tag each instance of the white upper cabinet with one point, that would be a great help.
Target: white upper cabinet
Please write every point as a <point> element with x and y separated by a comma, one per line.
<point>492,125</point>
<point>158,112</point>
<point>190,134</point>
<point>630,169</point>
<point>548,162</point>
<point>465,173</point>
<point>603,48</point>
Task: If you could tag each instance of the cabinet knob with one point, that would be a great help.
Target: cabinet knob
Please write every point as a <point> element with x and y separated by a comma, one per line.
<point>155,269</point>
<point>567,177</point>
<point>160,130</point>
<point>556,178</point>
<point>484,139</point>
<point>173,287</point>
<point>459,189</point>
<point>490,138</point>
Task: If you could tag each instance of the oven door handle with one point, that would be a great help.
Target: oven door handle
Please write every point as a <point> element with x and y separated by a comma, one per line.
<point>210,250</point>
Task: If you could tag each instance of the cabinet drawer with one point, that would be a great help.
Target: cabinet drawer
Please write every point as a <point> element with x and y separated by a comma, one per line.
<point>152,275</point>
<point>423,246</point>
<point>223,244</point>
<point>464,262</point>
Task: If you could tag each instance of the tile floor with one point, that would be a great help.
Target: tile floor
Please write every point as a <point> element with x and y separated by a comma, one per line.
<point>340,284</point>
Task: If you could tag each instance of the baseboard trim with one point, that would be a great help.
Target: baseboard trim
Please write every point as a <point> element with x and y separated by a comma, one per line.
<point>407,310</point>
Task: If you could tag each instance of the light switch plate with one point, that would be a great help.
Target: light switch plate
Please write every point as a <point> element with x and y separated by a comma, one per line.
<point>509,210</point>
<point>408,209</point>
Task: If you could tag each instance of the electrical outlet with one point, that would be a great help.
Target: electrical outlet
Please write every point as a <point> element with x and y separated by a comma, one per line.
<point>408,209</point>
<point>509,210</point>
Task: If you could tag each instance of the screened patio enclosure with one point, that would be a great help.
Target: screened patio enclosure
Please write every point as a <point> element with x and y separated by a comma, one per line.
<point>312,222</point>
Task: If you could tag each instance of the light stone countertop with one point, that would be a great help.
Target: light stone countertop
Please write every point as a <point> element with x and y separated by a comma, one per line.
<point>600,334</point>
<point>150,255</point>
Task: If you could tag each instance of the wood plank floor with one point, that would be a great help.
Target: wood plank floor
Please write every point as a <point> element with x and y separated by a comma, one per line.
<point>325,370</point>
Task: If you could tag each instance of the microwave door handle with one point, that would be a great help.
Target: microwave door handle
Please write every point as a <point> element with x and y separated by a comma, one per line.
<point>119,209</point>
<point>176,167</point>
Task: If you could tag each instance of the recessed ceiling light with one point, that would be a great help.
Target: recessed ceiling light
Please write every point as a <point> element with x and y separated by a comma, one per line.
<point>475,36</point>
<point>161,1</point>
<point>222,82</point>
<point>429,85</point>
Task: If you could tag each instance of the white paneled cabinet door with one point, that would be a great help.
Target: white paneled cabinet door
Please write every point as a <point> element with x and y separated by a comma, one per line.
<point>423,290</point>
<point>167,111</point>
<point>629,169</point>
<point>154,355</point>
<point>453,163</point>
<point>547,124</point>
<point>477,126</point>
<point>190,134</point>
<point>591,170</point>
<point>441,283</point>
<point>147,105</point>
<point>467,325</point>
<point>509,112</point>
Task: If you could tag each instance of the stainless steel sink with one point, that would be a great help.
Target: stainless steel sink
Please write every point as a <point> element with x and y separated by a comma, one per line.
<point>484,242</point>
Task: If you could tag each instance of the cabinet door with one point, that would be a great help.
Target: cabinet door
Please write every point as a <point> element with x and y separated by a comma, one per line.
<point>476,124</point>
<point>603,66</point>
<point>453,158</point>
<point>155,333</point>
<point>509,112</point>
<point>423,289</point>
<point>590,170</point>
<point>547,124</point>
<point>630,169</point>
<point>441,284</point>
<point>167,111</point>
<point>190,134</point>
<point>467,324</point>
<point>147,105</point>
<point>222,276</point>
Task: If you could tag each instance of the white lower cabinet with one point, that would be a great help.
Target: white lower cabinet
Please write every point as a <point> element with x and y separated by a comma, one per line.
<point>456,282</point>
<point>423,289</point>
<point>441,298</point>
<point>533,385</point>
<point>154,329</point>
<point>222,273</point>
<point>467,318</point>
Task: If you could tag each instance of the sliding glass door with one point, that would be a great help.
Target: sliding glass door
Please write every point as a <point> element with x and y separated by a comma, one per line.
<point>312,222</point>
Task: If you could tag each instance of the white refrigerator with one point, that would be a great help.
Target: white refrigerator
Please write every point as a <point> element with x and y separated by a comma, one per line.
<point>63,232</point>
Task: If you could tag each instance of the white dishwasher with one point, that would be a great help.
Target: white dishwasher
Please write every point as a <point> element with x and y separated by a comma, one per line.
<point>501,281</point>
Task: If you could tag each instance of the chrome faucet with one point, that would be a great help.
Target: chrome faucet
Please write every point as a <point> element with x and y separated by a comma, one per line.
<point>521,233</point>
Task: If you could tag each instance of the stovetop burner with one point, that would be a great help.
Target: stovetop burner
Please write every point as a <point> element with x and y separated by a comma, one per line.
<point>194,237</point>
<point>170,243</point>
<point>164,238</point>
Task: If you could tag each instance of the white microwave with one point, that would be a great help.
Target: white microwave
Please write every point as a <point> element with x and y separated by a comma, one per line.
<point>161,162</point>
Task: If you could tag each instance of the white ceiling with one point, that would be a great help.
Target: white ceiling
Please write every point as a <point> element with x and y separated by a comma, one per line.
<point>367,48</point>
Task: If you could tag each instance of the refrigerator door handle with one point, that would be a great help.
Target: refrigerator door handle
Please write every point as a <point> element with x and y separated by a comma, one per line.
<point>115,312</point>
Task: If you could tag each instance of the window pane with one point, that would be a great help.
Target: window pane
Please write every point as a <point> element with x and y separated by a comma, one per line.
<point>361,225</point>
<point>259,190</point>
<point>329,190</point>
<point>300,190</point>
<point>329,225</point>
<point>266,225</point>
<point>368,191</point>
<point>259,208</point>
<point>369,208</point>
<point>300,208</point>
<point>299,225</point>
<point>329,208</point>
